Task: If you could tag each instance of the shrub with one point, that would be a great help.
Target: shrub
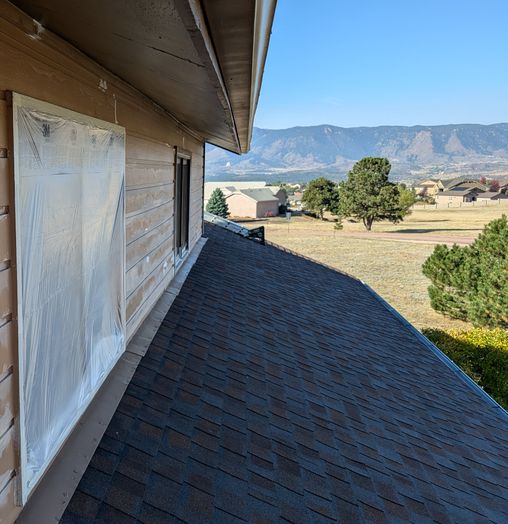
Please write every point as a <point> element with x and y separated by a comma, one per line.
<point>471,283</point>
<point>481,353</point>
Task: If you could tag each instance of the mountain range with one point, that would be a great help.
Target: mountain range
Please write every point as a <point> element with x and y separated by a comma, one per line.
<point>299,154</point>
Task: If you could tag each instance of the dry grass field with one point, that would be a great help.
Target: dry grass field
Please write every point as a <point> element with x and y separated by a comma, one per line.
<point>390,258</point>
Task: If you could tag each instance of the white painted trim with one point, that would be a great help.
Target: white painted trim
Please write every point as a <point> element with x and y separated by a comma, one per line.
<point>263,21</point>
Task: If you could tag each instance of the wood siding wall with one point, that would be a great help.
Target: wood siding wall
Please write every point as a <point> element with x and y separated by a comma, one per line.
<point>41,65</point>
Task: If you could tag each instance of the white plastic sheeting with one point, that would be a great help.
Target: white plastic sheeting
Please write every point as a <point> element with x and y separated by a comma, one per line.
<point>69,196</point>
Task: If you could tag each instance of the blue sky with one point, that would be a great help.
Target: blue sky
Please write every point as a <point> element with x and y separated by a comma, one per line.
<point>386,62</point>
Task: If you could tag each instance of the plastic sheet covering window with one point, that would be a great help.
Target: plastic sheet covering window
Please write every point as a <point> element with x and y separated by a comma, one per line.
<point>69,176</point>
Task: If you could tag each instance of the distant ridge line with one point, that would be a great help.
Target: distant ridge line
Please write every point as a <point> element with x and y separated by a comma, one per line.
<point>303,152</point>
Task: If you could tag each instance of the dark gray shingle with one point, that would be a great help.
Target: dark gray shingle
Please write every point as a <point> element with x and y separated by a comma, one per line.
<point>277,388</point>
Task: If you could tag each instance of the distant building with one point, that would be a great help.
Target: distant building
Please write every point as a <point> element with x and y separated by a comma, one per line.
<point>457,195</point>
<point>491,195</point>
<point>249,199</point>
<point>253,203</point>
<point>463,183</point>
<point>503,188</point>
<point>429,187</point>
<point>450,190</point>
<point>230,187</point>
<point>280,193</point>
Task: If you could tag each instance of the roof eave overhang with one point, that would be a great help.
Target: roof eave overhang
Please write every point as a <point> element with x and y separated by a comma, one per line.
<point>175,54</point>
<point>194,20</point>
<point>241,34</point>
<point>265,12</point>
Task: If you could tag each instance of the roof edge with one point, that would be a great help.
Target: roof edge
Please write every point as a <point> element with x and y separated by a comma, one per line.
<point>263,21</point>
<point>450,364</point>
<point>194,19</point>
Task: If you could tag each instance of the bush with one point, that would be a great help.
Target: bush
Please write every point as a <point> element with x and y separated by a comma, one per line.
<point>481,353</point>
<point>471,283</point>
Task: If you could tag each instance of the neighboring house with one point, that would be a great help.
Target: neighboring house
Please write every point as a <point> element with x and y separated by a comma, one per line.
<point>253,203</point>
<point>249,199</point>
<point>435,186</point>
<point>463,183</point>
<point>429,187</point>
<point>229,187</point>
<point>457,195</point>
<point>279,193</point>
<point>105,108</point>
<point>490,196</point>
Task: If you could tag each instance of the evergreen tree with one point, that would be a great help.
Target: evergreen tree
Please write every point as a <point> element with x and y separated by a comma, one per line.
<point>217,204</point>
<point>369,196</point>
<point>471,283</point>
<point>321,195</point>
<point>447,269</point>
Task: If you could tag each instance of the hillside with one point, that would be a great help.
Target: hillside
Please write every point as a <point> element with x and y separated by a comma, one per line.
<point>301,153</point>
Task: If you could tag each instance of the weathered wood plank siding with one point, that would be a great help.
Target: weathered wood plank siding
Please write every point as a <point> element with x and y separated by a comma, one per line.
<point>45,67</point>
<point>8,347</point>
<point>149,210</point>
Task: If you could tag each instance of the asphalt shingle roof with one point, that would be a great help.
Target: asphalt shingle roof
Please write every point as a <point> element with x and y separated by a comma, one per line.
<point>459,191</point>
<point>490,194</point>
<point>261,194</point>
<point>279,389</point>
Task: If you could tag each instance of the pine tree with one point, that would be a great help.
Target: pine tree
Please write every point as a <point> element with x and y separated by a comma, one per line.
<point>217,204</point>
<point>321,195</point>
<point>369,196</point>
<point>471,283</point>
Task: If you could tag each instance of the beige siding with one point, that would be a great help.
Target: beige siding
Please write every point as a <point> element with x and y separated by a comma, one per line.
<point>49,69</point>
<point>196,199</point>
<point>270,208</point>
<point>149,208</point>
<point>240,205</point>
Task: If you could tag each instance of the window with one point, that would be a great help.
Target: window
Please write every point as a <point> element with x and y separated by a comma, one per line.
<point>69,198</point>
<point>182,196</point>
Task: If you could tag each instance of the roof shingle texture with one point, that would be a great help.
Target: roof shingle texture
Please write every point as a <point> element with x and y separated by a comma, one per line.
<point>278,389</point>
<point>262,194</point>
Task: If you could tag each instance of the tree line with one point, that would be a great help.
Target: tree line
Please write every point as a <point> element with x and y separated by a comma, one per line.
<point>366,195</point>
